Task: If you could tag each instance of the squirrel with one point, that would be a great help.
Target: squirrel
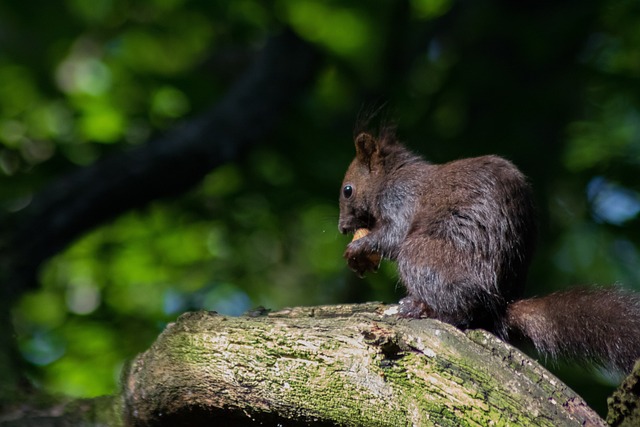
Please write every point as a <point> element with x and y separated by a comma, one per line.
<point>463,235</point>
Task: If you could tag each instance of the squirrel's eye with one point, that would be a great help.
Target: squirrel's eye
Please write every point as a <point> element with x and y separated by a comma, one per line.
<point>347,191</point>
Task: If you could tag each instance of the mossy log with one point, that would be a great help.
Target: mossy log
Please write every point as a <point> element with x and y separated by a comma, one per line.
<point>348,365</point>
<point>624,404</point>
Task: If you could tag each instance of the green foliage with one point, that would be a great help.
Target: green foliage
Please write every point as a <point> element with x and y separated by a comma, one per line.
<point>349,32</point>
<point>556,92</point>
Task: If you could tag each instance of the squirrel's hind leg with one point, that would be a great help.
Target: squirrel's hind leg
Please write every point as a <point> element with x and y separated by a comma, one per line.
<point>413,308</point>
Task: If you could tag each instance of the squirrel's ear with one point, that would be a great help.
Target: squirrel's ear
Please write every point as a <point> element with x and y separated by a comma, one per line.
<point>366,148</point>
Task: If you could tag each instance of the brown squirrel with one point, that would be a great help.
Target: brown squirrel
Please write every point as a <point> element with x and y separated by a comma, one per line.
<point>463,234</point>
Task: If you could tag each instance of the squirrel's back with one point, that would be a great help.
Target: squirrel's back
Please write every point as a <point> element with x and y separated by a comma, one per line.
<point>468,249</point>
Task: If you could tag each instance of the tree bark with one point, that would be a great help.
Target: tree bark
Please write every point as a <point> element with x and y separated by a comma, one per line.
<point>350,365</point>
<point>624,404</point>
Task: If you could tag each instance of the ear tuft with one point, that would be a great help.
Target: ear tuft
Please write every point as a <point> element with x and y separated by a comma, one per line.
<point>387,135</point>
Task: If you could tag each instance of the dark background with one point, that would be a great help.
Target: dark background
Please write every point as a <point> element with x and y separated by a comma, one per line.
<point>139,181</point>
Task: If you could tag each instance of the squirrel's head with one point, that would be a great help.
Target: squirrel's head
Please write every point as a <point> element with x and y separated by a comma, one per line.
<point>362,182</point>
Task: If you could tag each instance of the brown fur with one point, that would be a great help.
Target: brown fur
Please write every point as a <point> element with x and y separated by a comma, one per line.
<point>463,236</point>
<point>602,325</point>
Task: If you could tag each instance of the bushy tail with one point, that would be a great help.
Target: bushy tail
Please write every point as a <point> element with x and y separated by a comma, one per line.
<point>599,325</point>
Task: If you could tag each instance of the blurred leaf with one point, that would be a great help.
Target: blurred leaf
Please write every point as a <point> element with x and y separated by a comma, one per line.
<point>91,12</point>
<point>90,366</point>
<point>341,29</point>
<point>41,309</point>
<point>17,90</point>
<point>169,50</point>
<point>430,8</point>
<point>169,102</point>
<point>612,134</point>
<point>223,181</point>
<point>102,123</point>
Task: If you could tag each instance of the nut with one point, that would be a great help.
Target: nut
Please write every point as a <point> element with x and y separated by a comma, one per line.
<point>360,233</point>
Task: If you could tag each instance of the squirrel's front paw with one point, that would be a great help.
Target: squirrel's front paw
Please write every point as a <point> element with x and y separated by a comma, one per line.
<point>361,262</point>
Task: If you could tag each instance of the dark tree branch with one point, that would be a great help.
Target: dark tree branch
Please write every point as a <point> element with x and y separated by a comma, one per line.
<point>166,166</point>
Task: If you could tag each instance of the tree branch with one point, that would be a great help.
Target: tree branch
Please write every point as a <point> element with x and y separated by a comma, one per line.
<point>341,365</point>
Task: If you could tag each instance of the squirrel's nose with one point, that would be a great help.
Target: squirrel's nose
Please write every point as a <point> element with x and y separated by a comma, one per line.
<point>342,229</point>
